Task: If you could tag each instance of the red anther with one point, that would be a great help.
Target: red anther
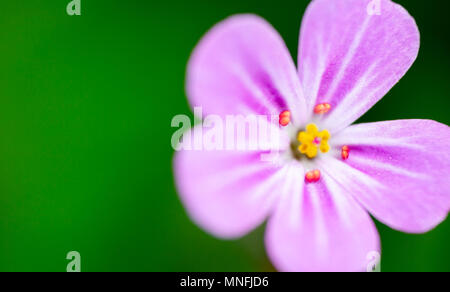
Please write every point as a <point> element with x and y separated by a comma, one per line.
<point>312,176</point>
<point>285,118</point>
<point>316,175</point>
<point>345,153</point>
<point>322,108</point>
<point>309,177</point>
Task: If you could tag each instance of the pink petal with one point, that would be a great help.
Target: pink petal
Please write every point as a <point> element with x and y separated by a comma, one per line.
<point>227,193</point>
<point>319,227</point>
<point>351,59</point>
<point>242,66</point>
<point>399,171</point>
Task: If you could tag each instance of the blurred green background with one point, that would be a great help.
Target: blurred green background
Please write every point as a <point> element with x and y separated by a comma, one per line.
<point>85,156</point>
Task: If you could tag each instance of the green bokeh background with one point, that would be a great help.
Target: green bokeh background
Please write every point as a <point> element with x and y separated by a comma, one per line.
<point>85,156</point>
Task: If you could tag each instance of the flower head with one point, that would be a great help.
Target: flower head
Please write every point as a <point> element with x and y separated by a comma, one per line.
<point>332,174</point>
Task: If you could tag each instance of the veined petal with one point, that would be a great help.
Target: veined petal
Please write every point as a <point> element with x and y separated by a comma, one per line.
<point>319,227</point>
<point>242,66</point>
<point>351,58</point>
<point>227,192</point>
<point>399,171</point>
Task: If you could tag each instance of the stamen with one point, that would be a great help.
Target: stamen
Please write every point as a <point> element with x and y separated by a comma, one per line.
<point>312,176</point>
<point>345,153</point>
<point>285,118</point>
<point>322,108</point>
<point>311,141</point>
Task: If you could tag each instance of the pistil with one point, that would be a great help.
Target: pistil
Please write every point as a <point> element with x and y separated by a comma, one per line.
<point>311,141</point>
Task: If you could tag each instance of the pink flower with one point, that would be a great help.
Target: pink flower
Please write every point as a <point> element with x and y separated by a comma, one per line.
<point>317,201</point>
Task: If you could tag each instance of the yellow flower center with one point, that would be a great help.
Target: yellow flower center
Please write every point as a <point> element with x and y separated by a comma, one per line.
<point>311,141</point>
